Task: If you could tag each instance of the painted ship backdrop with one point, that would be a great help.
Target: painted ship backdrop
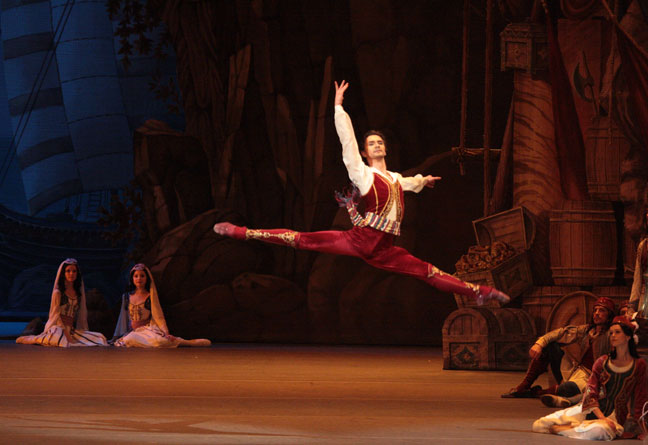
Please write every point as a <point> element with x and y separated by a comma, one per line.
<point>538,128</point>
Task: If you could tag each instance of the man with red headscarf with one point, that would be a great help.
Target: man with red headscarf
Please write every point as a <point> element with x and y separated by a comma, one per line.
<point>571,352</point>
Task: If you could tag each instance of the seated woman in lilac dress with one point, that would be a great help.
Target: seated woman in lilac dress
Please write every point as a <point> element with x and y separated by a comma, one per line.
<point>141,322</point>
<point>67,324</point>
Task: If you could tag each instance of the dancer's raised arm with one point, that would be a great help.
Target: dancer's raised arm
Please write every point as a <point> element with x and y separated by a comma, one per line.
<point>359,172</point>
<point>339,91</point>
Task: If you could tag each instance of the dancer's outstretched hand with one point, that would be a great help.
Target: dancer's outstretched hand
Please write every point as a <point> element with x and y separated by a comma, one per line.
<point>339,91</point>
<point>431,180</point>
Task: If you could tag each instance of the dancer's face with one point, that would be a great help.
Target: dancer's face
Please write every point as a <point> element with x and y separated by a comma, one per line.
<point>600,315</point>
<point>626,311</point>
<point>617,336</point>
<point>374,147</point>
<point>71,273</point>
<point>139,279</point>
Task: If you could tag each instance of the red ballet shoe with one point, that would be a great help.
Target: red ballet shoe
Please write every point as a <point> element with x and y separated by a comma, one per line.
<point>224,228</point>
<point>230,230</point>
<point>487,293</point>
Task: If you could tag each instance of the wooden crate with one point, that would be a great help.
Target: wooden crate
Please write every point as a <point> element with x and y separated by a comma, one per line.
<point>512,277</point>
<point>515,227</point>
<point>487,338</point>
<point>524,46</point>
<point>540,301</point>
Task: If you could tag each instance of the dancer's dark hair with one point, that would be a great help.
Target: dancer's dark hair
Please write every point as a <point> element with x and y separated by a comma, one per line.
<point>373,133</point>
<point>60,285</point>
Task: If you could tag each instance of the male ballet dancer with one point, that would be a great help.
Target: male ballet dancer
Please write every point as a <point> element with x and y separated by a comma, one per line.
<point>372,236</point>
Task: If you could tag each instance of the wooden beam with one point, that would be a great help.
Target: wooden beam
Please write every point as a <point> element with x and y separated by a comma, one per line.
<point>464,78</point>
<point>475,152</point>
<point>488,99</point>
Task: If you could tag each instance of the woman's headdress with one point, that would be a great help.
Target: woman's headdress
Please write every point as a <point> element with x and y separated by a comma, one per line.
<point>630,324</point>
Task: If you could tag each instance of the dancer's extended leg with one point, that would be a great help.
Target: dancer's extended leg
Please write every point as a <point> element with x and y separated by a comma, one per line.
<point>399,260</point>
<point>374,247</point>
<point>330,241</point>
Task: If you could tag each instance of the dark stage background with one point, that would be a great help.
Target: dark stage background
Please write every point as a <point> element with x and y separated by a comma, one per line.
<point>128,128</point>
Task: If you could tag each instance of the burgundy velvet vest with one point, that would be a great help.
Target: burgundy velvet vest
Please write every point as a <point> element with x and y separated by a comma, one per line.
<point>379,200</point>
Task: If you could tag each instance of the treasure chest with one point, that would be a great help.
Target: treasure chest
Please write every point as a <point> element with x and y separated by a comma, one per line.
<point>515,228</point>
<point>524,46</point>
<point>487,338</point>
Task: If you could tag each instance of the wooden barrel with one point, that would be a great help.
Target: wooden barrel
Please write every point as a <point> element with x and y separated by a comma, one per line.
<point>487,338</point>
<point>541,300</point>
<point>572,309</point>
<point>605,149</point>
<point>583,243</point>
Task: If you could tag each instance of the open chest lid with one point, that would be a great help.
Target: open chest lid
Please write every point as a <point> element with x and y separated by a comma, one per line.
<point>516,227</point>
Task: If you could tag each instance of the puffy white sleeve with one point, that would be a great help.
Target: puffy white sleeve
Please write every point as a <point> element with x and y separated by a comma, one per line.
<point>359,172</point>
<point>411,183</point>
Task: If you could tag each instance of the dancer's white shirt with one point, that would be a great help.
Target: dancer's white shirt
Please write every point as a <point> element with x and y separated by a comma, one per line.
<point>360,174</point>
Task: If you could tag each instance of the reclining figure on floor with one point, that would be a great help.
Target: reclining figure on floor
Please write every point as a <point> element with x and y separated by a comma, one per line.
<point>616,390</point>
<point>570,352</point>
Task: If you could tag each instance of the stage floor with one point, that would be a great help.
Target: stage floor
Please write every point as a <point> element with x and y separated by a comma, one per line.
<point>257,394</point>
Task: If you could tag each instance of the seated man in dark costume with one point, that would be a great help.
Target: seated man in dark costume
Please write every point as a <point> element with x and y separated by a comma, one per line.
<point>570,352</point>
